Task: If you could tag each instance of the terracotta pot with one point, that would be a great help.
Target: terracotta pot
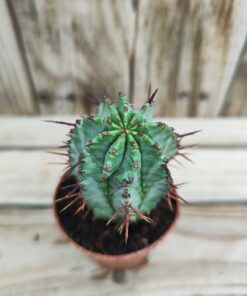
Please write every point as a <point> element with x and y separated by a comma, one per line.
<point>114,262</point>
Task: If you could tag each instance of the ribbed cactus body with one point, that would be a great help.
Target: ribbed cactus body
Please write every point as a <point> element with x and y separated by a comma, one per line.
<point>119,157</point>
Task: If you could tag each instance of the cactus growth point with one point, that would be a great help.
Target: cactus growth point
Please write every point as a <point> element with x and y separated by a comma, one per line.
<point>119,158</point>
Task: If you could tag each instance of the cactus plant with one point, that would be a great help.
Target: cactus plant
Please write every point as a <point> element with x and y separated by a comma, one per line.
<point>119,158</point>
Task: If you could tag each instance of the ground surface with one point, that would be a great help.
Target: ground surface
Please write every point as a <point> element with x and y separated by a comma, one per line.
<point>205,255</point>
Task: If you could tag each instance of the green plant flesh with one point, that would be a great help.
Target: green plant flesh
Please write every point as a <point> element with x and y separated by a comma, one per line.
<point>122,153</point>
<point>119,157</point>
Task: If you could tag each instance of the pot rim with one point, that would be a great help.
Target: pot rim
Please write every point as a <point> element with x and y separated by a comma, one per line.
<point>106,256</point>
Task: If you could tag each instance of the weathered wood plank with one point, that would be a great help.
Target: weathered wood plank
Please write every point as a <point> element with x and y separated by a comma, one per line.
<point>236,101</point>
<point>205,255</point>
<point>15,88</point>
<point>33,132</point>
<point>76,48</point>
<point>217,176</point>
<point>189,50</point>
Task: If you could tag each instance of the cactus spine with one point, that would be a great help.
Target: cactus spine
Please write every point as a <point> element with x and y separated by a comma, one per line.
<point>119,157</point>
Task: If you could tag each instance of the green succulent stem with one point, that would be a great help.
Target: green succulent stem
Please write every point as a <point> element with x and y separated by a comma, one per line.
<point>120,159</point>
<point>123,172</point>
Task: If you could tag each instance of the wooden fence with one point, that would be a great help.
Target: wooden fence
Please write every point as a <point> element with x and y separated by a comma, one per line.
<point>55,54</point>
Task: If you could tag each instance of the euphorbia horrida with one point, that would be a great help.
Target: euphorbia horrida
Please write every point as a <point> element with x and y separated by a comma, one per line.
<point>119,158</point>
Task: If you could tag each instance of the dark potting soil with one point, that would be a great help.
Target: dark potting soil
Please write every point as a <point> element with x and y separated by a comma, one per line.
<point>95,235</point>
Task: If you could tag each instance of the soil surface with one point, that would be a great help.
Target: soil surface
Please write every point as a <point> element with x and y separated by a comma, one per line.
<point>94,235</point>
